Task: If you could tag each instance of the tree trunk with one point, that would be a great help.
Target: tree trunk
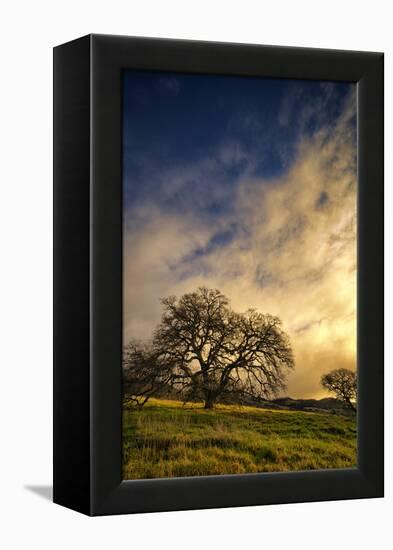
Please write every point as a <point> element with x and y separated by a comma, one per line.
<point>209,400</point>
<point>352,406</point>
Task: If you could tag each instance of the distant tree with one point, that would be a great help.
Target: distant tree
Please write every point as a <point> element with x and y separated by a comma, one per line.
<point>144,375</point>
<point>343,383</point>
<point>214,352</point>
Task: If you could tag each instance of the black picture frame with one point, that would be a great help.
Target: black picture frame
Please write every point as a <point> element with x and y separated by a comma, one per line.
<point>88,275</point>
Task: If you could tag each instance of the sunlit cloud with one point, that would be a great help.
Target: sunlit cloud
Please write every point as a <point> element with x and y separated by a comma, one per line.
<point>284,245</point>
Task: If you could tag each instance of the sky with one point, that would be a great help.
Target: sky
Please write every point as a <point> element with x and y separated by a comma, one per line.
<point>247,185</point>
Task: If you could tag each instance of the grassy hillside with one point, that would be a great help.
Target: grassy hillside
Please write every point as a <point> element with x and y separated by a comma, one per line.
<point>165,439</point>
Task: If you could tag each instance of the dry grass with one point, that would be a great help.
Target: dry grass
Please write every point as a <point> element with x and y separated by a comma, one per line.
<point>165,439</point>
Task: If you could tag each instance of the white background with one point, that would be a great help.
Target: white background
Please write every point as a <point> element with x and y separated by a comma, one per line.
<point>29,30</point>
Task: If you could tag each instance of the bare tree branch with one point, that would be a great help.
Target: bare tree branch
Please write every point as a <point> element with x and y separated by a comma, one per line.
<point>213,352</point>
<point>343,383</point>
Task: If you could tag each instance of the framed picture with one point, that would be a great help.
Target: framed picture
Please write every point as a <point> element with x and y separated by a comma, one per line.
<point>218,275</point>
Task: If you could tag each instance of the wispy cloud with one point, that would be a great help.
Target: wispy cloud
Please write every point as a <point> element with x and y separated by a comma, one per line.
<point>284,246</point>
<point>169,85</point>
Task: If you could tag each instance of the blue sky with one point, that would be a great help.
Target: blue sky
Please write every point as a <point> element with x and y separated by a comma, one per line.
<point>228,181</point>
<point>249,125</point>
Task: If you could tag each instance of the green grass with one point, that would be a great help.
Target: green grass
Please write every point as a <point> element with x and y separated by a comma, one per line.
<point>165,439</point>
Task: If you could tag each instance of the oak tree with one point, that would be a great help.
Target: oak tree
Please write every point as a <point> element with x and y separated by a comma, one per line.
<point>144,374</point>
<point>215,352</point>
<point>343,383</point>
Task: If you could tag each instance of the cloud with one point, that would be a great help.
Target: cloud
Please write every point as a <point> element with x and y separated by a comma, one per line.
<point>286,246</point>
<point>169,85</point>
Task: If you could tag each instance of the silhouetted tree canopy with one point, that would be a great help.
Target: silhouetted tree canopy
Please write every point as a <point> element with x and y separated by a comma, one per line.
<point>343,383</point>
<point>205,350</point>
<point>144,374</point>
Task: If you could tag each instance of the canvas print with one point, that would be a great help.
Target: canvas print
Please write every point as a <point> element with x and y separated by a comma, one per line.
<point>239,275</point>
